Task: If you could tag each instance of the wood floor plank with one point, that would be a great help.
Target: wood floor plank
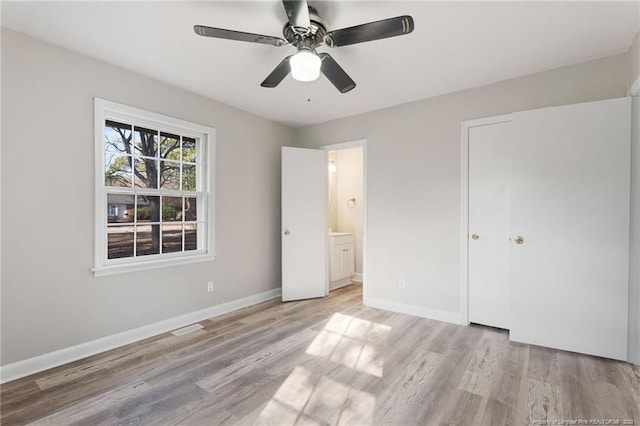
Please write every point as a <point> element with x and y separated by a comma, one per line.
<point>196,366</point>
<point>326,361</point>
<point>260,359</point>
<point>90,406</point>
<point>240,397</point>
<point>403,397</point>
<point>463,408</point>
<point>466,339</point>
<point>407,336</point>
<point>103,379</point>
<point>497,413</point>
<point>45,402</point>
<point>605,370</point>
<point>509,384</point>
<point>443,340</point>
<point>202,417</point>
<point>543,365</point>
<point>482,369</point>
<point>578,399</point>
<point>156,402</point>
<point>118,358</point>
<point>543,402</point>
<point>630,380</point>
<point>440,386</point>
<point>615,404</point>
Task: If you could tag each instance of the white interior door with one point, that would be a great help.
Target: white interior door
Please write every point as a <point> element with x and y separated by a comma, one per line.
<point>570,204</point>
<point>304,224</point>
<point>489,224</point>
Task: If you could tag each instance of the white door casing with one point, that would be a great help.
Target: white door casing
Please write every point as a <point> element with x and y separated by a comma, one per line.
<point>304,224</point>
<point>490,223</point>
<point>570,203</point>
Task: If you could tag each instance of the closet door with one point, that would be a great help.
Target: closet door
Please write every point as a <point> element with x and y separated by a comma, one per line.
<point>570,227</point>
<point>490,223</point>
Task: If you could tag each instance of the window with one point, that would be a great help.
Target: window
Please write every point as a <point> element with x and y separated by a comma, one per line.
<point>154,204</point>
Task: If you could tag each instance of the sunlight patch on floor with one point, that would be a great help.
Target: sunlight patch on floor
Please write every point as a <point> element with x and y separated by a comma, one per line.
<point>352,342</point>
<point>307,398</point>
<point>312,398</point>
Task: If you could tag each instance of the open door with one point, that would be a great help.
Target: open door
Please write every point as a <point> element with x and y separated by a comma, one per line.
<point>305,271</point>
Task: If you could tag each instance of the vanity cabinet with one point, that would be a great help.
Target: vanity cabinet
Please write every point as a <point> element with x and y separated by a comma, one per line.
<point>342,256</point>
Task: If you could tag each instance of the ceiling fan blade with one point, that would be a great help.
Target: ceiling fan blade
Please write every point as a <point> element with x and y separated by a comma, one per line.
<point>377,30</point>
<point>238,35</point>
<point>297,12</point>
<point>278,74</point>
<point>335,73</point>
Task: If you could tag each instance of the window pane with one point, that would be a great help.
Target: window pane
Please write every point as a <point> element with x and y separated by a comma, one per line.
<point>147,239</point>
<point>148,208</point>
<point>119,241</point>
<point>171,209</point>
<point>190,209</point>
<point>117,138</point>
<point>117,170</point>
<point>188,177</point>
<point>190,236</point>
<point>169,175</point>
<point>145,142</point>
<point>171,237</point>
<point>169,146</point>
<point>120,208</point>
<point>146,173</point>
<point>189,150</point>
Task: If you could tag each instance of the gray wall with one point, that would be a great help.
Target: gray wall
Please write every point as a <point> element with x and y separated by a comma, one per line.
<point>634,270</point>
<point>634,60</point>
<point>50,299</point>
<point>414,174</point>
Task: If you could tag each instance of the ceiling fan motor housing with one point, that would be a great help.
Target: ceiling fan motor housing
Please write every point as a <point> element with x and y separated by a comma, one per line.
<point>308,38</point>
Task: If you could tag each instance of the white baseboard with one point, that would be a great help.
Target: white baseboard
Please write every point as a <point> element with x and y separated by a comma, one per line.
<point>357,277</point>
<point>49,360</point>
<point>418,311</point>
<point>340,283</point>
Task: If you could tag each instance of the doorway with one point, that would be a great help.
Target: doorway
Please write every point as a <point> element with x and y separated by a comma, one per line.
<point>346,206</point>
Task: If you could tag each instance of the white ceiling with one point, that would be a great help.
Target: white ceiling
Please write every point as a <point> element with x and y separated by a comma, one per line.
<point>455,46</point>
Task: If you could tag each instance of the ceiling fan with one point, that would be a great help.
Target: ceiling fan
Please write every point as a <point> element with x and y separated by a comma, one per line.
<point>306,30</point>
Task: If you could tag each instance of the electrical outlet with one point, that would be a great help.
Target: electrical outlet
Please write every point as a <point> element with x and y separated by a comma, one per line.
<point>401,283</point>
<point>210,286</point>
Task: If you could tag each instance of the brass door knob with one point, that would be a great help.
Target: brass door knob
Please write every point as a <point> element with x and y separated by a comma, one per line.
<point>518,240</point>
<point>475,236</point>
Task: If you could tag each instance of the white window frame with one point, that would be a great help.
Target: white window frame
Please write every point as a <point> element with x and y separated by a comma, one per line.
<point>108,110</point>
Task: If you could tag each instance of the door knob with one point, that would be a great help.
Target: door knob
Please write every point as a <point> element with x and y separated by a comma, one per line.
<point>286,232</point>
<point>518,240</point>
<point>475,236</point>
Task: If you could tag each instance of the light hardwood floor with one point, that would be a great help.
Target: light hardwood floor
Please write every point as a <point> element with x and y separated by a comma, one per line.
<point>328,361</point>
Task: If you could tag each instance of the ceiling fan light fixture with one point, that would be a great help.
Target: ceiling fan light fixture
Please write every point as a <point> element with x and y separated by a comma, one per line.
<point>305,66</point>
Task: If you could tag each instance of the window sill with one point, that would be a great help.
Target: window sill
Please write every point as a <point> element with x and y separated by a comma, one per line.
<point>151,264</point>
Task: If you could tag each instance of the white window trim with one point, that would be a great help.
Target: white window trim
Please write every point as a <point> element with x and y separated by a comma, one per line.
<point>103,110</point>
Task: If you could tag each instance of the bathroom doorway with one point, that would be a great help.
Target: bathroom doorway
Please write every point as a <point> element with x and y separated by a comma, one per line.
<point>346,204</point>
